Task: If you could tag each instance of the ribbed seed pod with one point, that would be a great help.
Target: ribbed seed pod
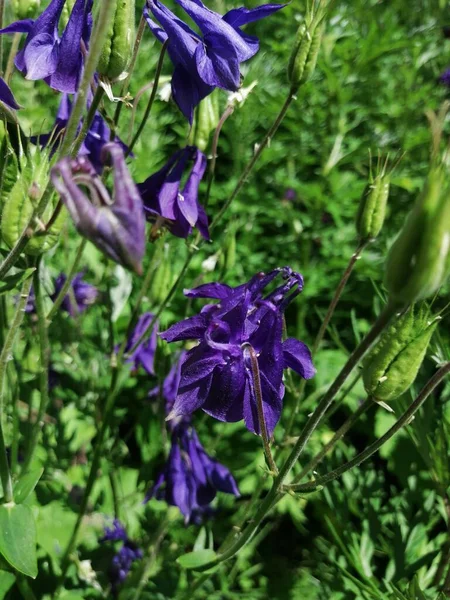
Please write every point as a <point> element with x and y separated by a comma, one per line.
<point>205,121</point>
<point>303,59</point>
<point>372,208</point>
<point>392,366</point>
<point>417,262</point>
<point>118,48</point>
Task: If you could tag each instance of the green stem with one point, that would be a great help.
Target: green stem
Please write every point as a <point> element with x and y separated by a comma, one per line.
<point>151,99</point>
<point>68,282</point>
<point>153,553</point>
<point>12,55</point>
<point>126,83</point>
<point>329,314</point>
<point>44,347</point>
<point>5,357</point>
<point>87,122</point>
<point>2,18</point>
<point>24,588</point>
<point>370,450</point>
<point>340,433</point>
<point>212,168</point>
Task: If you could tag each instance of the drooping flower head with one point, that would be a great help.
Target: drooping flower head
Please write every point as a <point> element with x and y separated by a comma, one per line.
<point>191,478</point>
<point>97,136</point>
<point>123,560</point>
<point>144,354</point>
<point>210,59</point>
<point>46,55</point>
<point>116,225</point>
<point>164,195</point>
<point>80,296</point>
<point>217,374</point>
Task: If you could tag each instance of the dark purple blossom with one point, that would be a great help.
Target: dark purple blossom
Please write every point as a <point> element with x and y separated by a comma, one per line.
<point>170,384</point>
<point>47,55</point>
<point>212,59</point>
<point>98,134</point>
<point>125,556</point>
<point>116,225</point>
<point>216,375</point>
<point>6,95</point>
<point>164,196</point>
<point>191,478</point>
<point>145,352</point>
<point>84,294</point>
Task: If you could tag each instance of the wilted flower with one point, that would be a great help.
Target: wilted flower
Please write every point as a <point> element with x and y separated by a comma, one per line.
<point>217,374</point>
<point>145,352</point>
<point>115,225</point>
<point>191,478</point>
<point>97,136</point>
<point>84,294</point>
<point>162,196</point>
<point>6,95</point>
<point>124,558</point>
<point>46,55</point>
<point>212,59</point>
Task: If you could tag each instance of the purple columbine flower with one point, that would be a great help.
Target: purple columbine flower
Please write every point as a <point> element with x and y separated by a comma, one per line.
<point>46,55</point>
<point>115,225</point>
<point>124,558</point>
<point>179,208</point>
<point>98,134</point>
<point>6,95</point>
<point>217,375</point>
<point>145,352</point>
<point>84,294</point>
<point>191,478</point>
<point>212,59</point>
<point>170,384</point>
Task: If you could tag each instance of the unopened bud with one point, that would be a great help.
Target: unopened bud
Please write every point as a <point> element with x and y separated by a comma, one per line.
<point>392,366</point>
<point>118,47</point>
<point>205,121</point>
<point>372,207</point>
<point>25,9</point>
<point>306,50</point>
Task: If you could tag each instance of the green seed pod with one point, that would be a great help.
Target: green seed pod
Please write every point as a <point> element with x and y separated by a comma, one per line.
<point>392,366</point>
<point>205,121</point>
<point>20,203</point>
<point>304,55</point>
<point>25,9</point>
<point>68,6</point>
<point>162,278</point>
<point>118,48</point>
<point>372,208</point>
<point>417,263</point>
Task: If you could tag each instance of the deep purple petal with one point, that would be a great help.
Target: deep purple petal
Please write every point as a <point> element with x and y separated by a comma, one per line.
<point>189,329</point>
<point>218,63</point>
<point>215,290</point>
<point>6,95</point>
<point>237,17</point>
<point>297,356</point>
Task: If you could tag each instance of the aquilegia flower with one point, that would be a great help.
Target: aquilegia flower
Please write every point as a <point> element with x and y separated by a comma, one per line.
<point>217,374</point>
<point>46,55</point>
<point>124,558</point>
<point>179,209</point>
<point>98,134</point>
<point>79,298</point>
<point>191,478</point>
<point>169,389</point>
<point>212,59</point>
<point>115,225</point>
<point>145,352</point>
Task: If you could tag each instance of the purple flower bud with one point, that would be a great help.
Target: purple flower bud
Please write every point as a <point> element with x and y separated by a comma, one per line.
<point>84,294</point>
<point>124,558</point>
<point>115,225</point>
<point>163,197</point>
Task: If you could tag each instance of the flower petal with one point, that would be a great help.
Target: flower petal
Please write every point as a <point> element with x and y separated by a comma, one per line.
<point>189,329</point>
<point>297,356</point>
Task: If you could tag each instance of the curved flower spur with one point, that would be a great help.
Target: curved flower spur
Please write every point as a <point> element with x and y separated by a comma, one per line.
<point>116,225</point>
<point>217,374</point>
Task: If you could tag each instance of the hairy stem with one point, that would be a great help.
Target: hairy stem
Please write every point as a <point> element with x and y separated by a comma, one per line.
<point>5,357</point>
<point>44,348</point>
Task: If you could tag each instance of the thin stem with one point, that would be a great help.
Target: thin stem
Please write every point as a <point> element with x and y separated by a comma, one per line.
<point>5,357</point>
<point>329,314</point>
<point>153,552</point>
<point>24,588</point>
<point>370,450</point>
<point>87,122</point>
<point>249,167</point>
<point>12,55</point>
<point>126,83</point>
<point>215,143</point>
<point>340,433</point>
<point>248,348</point>
<point>44,347</point>
<point>143,123</point>
<point>68,282</point>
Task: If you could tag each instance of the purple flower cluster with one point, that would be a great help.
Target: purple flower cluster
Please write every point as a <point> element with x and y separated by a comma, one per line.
<point>124,558</point>
<point>216,375</point>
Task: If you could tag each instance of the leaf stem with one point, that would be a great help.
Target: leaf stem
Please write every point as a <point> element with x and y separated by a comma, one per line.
<point>5,357</point>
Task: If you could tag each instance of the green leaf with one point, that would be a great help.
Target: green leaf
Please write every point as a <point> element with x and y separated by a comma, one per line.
<point>7,580</point>
<point>18,538</point>
<point>11,282</point>
<point>26,485</point>
<point>197,559</point>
